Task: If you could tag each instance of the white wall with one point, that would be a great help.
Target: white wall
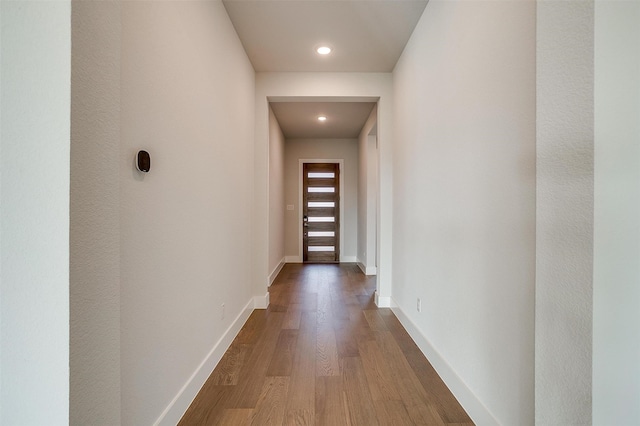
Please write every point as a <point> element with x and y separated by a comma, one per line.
<point>564,219</point>
<point>336,149</point>
<point>95,214</point>
<point>276,197</point>
<point>367,194</point>
<point>188,98</point>
<point>369,87</point>
<point>616,264</point>
<point>34,212</point>
<point>464,201</point>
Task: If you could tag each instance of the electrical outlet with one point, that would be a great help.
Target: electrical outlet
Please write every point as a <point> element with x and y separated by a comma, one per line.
<point>419,305</point>
<point>222,311</point>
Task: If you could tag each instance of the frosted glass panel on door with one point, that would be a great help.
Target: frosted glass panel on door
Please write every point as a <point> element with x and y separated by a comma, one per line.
<point>321,248</point>
<point>322,234</point>
<point>321,219</point>
<point>321,175</point>
<point>321,204</point>
<point>321,189</point>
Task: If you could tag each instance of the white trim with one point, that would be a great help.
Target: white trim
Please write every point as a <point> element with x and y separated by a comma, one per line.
<point>292,259</point>
<point>178,406</point>
<point>348,259</point>
<point>276,271</point>
<point>383,301</point>
<point>261,302</point>
<point>469,401</point>
<point>367,270</point>
<point>301,161</point>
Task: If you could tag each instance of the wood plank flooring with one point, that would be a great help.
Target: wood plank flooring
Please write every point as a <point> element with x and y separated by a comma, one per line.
<point>324,354</point>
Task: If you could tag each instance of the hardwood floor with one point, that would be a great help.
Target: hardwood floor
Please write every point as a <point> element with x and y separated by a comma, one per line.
<point>324,354</point>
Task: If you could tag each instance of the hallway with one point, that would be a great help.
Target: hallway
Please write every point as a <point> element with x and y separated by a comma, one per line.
<point>324,354</point>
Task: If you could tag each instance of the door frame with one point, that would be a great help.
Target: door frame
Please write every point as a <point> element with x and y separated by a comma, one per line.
<point>340,163</point>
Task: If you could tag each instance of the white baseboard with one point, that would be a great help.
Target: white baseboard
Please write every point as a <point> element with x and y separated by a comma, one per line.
<point>261,302</point>
<point>276,271</point>
<point>178,406</point>
<point>297,259</point>
<point>383,301</point>
<point>469,401</point>
<point>370,270</point>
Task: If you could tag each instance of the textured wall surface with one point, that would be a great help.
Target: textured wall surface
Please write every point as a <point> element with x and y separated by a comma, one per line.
<point>564,218</point>
<point>464,197</point>
<point>367,192</point>
<point>34,212</point>
<point>276,193</point>
<point>95,207</point>
<point>616,279</point>
<point>188,99</point>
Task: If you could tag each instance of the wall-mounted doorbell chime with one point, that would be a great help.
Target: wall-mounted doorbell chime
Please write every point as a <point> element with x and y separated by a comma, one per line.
<point>143,161</point>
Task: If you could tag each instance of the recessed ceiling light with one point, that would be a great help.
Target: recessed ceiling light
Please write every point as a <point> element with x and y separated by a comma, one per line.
<point>322,118</point>
<point>323,50</point>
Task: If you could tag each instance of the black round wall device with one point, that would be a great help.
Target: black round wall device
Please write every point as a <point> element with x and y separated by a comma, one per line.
<point>143,161</point>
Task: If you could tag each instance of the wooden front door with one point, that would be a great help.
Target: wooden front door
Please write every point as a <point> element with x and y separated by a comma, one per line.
<point>321,212</point>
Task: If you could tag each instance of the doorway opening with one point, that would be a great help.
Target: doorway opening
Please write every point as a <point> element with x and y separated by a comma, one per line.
<point>344,138</point>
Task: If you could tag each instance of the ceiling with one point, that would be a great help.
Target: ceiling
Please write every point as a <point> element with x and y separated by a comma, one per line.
<point>366,35</point>
<point>282,35</point>
<point>299,120</point>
